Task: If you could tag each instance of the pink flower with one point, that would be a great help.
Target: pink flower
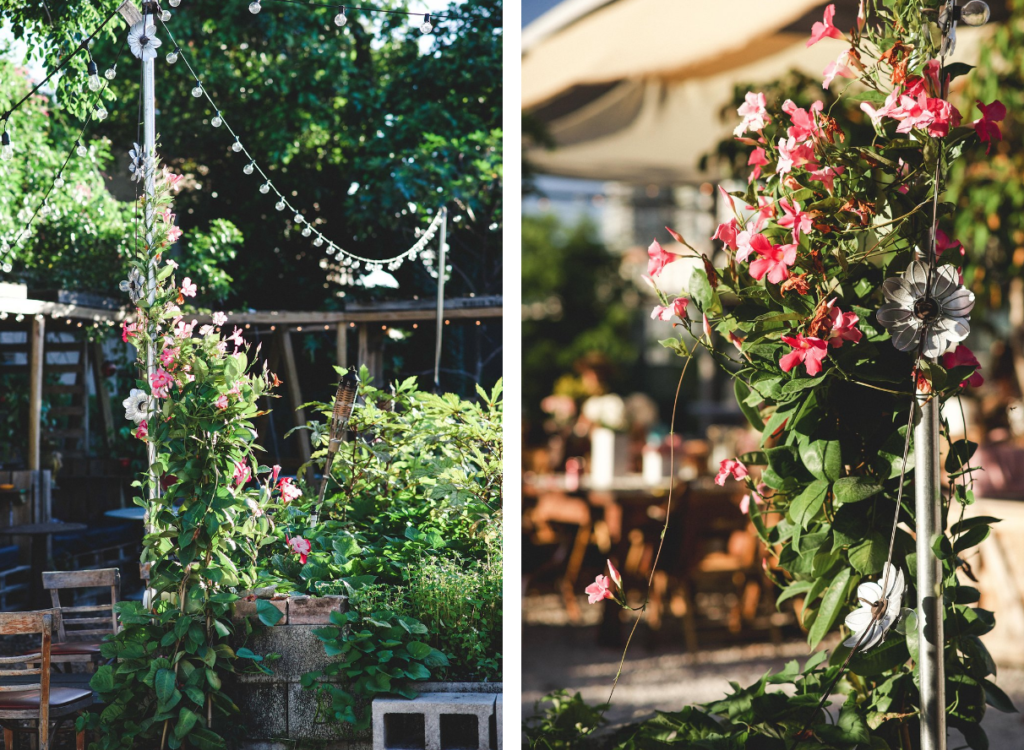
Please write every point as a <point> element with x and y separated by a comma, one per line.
<point>677,308</point>
<point>754,114</point>
<point>599,590</point>
<point>659,258</point>
<point>986,127</point>
<point>743,245</point>
<point>765,211</point>
<point>758,158</point>
<point>275,470</point>
<point>736,341</point>
<point>128,330</point>
<point>174,234</point>
<point>188,289</point>
<point>944,243</point>
<point>160,381</point>
<point>707,328</point>
<point>824,28</point>
<point>844,327</point>
<point>615,575</point>
<point>804,125</point>
<point>173,179</point>
<point>221,402</point>
<point>839,67</point>
<point>792,154</point>
<point>219,318</point>
<point>205,330</point>
<point>143,430</point>
<point>964,357</point>
<point>172,264</point>
<point>167,355</point>
<point>826,176</point>
<point>745,502</point>
<point>288,490</point>
<point>242,473</point>
<point>183,330</point>
<point>236,337</point>
<point>810,351</point>
<point>727,233</point>
<point>301,547</point>
<point>795,219</point>
<point>775,260</point>
<point>730,467</point>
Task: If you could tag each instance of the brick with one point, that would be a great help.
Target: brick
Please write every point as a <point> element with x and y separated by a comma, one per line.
<point>245,608</point>
<point>449,720</point>
<point>310,610</point>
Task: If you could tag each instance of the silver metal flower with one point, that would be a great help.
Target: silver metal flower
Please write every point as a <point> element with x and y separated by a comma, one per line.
<point>142,41</point>
<point>877,613</point>
<point>136,405</point>
<point>938,316</point>
<point>134,285</point>
<point>137,166</point>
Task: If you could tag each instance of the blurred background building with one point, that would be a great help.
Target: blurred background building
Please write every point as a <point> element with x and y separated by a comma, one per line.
<point>628,112</point>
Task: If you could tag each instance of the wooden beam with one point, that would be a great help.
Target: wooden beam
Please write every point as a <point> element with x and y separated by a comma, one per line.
<point>37,337</point>
<point>341,331</point>
<point>291,370</point>
<point>26,307</point>
<point>102,394</point>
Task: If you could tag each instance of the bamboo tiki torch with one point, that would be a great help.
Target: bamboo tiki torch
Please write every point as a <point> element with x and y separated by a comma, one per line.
<point>344,399</point>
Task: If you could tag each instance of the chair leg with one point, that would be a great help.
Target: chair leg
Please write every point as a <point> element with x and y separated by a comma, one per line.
<point>8,739</point>
<point>80,740</point>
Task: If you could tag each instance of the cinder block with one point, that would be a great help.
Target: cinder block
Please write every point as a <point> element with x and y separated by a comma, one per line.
<point>265,707</point>
<point>497,722</point>
<point>450,721</point>
<point>247,608</point>
<point>309,610</point>
<point>310,718</point>
<point>300,650</point>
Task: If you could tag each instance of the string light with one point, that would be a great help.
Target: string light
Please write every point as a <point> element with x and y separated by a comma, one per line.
<point>174,3</point>
<point>95,84</point>
<point>172,56</point>
<point>248,168</point>
<point>6,149</point>
<point>80,148</point>
<point>426,27</point>
<point>341,18</point>
<point>111,73</point>
<point>255,7</point>
<point>217,122</point>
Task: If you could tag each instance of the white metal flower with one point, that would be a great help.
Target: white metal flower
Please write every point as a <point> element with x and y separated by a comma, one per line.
<point>138,163</point>
<point>136,405</point>
<point>134,285</point>
<point>877,613</point>
<point>938,315</point>
<point>143,41</point>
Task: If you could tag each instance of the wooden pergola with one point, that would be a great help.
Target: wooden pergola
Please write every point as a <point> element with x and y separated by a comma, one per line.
<point>368,321</point>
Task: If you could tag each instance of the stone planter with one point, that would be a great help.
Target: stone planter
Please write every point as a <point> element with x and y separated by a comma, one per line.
<point>282,715</point>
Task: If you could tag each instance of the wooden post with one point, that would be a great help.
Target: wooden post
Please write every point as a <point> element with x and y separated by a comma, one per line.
<point>342,344</point>
<point>35,389</point>
<point>363,358</point>
<point>295,393</point>
<point>102,394</point>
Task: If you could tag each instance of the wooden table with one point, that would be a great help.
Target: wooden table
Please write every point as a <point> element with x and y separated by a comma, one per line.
<point>39,597</point>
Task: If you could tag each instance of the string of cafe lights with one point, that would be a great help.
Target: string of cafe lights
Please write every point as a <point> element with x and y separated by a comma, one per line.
<point>348,260</point>
<point>99,112</point>
<point>255,6</point>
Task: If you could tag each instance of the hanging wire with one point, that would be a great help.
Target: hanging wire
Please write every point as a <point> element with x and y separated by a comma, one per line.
<point>411,254</point>
<point>365,9</point>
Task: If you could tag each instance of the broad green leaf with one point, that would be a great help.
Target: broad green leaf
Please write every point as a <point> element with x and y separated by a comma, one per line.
<point>750,412</point>
<point>417,649</point>
<point>269,614</point>
<point>807,504</point>
<point>823,459</point>
<point>831,603</point>
<point>868,557</point>
<point>165,685</point>
<point>855,489</point>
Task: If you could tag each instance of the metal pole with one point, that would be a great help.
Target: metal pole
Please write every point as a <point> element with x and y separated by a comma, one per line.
<point>442,265</point>
<point>149,145</point>
<point>928,511</point>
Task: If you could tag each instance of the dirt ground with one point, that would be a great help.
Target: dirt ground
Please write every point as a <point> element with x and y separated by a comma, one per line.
<point>659,674</point>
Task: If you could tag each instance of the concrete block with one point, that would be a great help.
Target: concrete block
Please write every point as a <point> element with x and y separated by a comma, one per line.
<point>265,707</point>
<point>434,721</point>
<point>309,610</point>
<point>310,718</point>
<point>497,744</point>
<point>301,652</point>
<point>247,608</point>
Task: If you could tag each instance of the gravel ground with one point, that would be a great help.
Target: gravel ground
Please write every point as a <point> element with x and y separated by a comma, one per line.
<point>556,655</point>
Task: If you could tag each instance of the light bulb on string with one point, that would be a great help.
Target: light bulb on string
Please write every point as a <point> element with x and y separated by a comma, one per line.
<point>58,181</point>
<point>95,84</point>
<point>6,149</point>
<point>236,146</point>
<point>197,91</point>
<point>280,205</point>
<point>341,19</point>
<point>254,7</point>
<point>265,187</point>
<point>299,218</point>
<point>307,230</point>
<point>165,15</point>
<point>44,209</point>
<point>100,113</point>
<point>110,73</point>
<point>217,121</point>
<point>80,149</point>
<point>248,168</point>
<point>975,13</point>
<point>318,242</point>
<point>174,3</point>
<point>172,56</point>
<point>426,27</point>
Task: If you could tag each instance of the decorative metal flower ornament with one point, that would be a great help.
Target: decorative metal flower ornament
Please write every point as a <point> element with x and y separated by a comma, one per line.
<point>134,285</point>
<point>878,611</point>
<point>136,405</point>
<point>138,163</point>
<point>142,41</point>
<point>931,316</point>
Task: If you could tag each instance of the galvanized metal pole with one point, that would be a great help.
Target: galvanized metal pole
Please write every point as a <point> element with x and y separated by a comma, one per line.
<point>149,145</point>
<point>928,512</point>
<point>442,265</point>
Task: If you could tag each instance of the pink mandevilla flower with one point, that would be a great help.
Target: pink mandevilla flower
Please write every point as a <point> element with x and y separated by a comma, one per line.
<point>143,430</point>
<point>804,125</point>
<point>825,28</point>
<point>775,260</point>
<point>730,467</point>
<point>758,158</point>
<point>160,380</point>
<point>599,590</point>
<point>167,355</point>
<point>301,547</point>
<point>221,402</point>
<point>964,357</point>
<point>289,491</point>
<point>795,219</point>
<point>827,175</point>
<point>242,473</point>
<point>615,575</point>
<point>727,233</point>
<point>188,289</point>
<point>658,259</point>
<point>807,350</point>
<point>754,114</point>
<point>236,337</point>
<point>986,128</point>
<point>838,67</point>
<point>745,502</point>
<point>793,154</point>
<point>173,179</point>
<point>944,243</point>
<point>275,470</point>
<point>219,318</point>
<point>844,327</point>
<point>677,308</point>
<point>172,264</point>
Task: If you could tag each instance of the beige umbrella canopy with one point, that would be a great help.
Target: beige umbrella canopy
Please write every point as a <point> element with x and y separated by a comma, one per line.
<point>633,90</point>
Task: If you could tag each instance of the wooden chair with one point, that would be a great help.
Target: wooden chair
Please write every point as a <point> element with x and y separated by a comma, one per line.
<point>82,628</point>
<point>36,703</point>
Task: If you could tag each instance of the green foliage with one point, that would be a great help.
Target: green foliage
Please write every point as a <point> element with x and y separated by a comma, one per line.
<point>564,725</point>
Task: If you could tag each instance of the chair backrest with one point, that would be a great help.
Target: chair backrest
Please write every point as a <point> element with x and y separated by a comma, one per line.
<point>87,621</point>
<point>37,663</point>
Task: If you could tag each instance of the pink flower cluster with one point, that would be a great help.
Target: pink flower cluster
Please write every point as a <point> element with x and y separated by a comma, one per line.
<point>601,588</point>
<point>811,350</point>
<point>917,107</point>
<point>301,547</point>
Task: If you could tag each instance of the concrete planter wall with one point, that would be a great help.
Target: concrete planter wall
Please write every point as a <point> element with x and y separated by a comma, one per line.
<point>282,715</point>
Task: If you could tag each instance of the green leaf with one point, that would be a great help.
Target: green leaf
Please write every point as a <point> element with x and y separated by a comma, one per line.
<point>884,657</point>
<point>996,698</point>
<point>807,504</point>
<point>959,455</point>
<point>103,680</point>
<point>868,557</point>
<point>970,523</point>
<point>831,603</point>
<point>823,459</point>
<point>855,489</point>
<point>165,685</point>
<point>701,291</point>
<point>417,649</point>
<point>751,413</point>
<point>186,720</point>
<point>269,614</point>
<point>416,671</point>
<point>971,538</point>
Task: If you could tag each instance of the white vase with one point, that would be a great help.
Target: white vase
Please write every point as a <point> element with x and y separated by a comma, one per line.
<point>608,457</point>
